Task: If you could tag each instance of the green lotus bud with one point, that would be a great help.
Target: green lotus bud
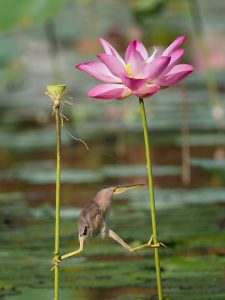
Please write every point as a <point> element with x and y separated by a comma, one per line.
<point>56,92</point>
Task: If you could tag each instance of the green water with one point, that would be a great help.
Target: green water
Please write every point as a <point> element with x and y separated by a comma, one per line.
<point>191,218</point>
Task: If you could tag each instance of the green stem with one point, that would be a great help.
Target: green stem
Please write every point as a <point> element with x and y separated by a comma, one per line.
<point>57,202</point>
<point>152,198</point>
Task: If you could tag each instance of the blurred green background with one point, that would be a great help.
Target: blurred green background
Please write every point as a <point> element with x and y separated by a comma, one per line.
<point>41,42</point>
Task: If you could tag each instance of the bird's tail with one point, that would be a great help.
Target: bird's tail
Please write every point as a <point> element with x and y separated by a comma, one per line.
<point>121,189</point>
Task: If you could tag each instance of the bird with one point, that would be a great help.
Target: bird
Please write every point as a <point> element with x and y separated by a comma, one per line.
<point>93,221</point>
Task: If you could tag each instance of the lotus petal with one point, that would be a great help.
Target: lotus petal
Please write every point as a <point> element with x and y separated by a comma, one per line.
<point>147,91</point>
<point>175,45</point>
<point>107,91</point>
<point>99,71</point>
<point>156,67</point>
<point>177,73</point>
<point>113,64</point>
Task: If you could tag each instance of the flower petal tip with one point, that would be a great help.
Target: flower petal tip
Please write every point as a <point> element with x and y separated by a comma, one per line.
<point>182,37</point>
<point>188,68</point>
<point>82,66</point>
<point>102,40</point>
<point>79,66</point>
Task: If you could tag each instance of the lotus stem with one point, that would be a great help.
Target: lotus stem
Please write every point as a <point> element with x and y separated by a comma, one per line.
<point>151,198</point>
<point>58,198</point>
<point>56,93</point>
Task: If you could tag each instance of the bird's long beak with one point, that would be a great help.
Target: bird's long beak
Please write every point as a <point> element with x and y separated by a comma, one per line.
<point>119,190</point>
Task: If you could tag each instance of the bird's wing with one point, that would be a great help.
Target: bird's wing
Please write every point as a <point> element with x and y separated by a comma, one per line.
<point>119,190</point>
<point>90,220</point>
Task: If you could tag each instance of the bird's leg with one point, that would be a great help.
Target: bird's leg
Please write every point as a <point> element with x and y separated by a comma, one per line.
<point>118,239</point>
<point>65,256</point>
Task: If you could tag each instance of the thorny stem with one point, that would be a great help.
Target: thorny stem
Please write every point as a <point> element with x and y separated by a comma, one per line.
<point>152,198</point>
<point>58,196</point>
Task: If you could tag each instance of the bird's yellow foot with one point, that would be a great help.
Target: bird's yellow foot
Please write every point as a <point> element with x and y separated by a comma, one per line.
<point>152,245</point>
<point>56,261</point>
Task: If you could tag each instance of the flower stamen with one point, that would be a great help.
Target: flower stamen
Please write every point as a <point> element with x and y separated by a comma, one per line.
<point>129,70</point>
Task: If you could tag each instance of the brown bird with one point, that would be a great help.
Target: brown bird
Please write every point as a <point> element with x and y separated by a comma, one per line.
<point>93,218</point>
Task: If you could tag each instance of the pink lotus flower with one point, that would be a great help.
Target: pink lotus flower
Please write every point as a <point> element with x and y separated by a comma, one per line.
<point>138,74</point>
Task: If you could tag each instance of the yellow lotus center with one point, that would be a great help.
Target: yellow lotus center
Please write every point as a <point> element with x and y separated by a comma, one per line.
<point>129,71</point>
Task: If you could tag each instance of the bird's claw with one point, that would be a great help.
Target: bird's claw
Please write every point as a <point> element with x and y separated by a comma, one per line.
<point>56,261</point>
<point>158,245</point>
<point>152,245</point>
